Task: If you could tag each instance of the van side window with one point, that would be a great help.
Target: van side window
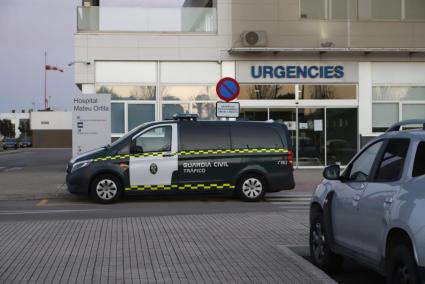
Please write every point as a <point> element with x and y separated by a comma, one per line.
<point>392,162</point>
<point>198,136</point>
<point>157,139</point>
<point>419,165</point>
<point>253,136</point>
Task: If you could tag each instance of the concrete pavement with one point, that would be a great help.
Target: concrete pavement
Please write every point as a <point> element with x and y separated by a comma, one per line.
<point>204,248</point>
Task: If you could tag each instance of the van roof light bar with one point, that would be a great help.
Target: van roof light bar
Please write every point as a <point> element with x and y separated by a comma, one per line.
<point>185,116</point>
<point>398,125</point>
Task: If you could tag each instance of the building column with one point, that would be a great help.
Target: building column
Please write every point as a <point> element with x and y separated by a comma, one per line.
<point>365,98</point>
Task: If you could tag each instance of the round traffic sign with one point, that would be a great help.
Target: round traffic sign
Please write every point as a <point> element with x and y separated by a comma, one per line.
<point>228,89</point>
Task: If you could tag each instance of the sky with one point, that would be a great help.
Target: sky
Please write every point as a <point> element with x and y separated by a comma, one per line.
<point>27,29</point>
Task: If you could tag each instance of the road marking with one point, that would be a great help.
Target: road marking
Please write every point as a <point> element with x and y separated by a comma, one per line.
<point>298,202</point>
<point>43,202</point>
<point>44,211</point>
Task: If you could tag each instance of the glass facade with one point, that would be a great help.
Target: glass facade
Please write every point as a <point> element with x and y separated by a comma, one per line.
<point>320,132</point>
<point>267,92</point>
<point>328,92</point>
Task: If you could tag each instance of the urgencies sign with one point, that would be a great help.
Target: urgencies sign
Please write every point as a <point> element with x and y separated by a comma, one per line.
<point>296,72</point>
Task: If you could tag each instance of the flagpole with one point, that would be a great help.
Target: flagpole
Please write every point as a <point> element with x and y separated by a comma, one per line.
<point>45,81</point>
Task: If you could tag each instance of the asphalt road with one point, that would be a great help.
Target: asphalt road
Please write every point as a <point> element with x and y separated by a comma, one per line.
<point>35,171</point>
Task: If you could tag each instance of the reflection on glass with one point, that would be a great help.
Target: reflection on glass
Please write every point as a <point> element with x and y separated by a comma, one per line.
<point>386,9</point>
<point>267,92</point>
<point>122,92</point>
<point>328,92</point>
<point>344,9</point>
<point>117,118</point>
<point>312,9</point>
<point>188,93</point>
<point>158,4</point>
<point>413,111</point>
<point>383,116</point>
<point>288,117</point>
<point>389,93</point>
<point>140,113</point>
<point>311,138</point>
<point>168,110</point>
<point>206,111</point>
<point>341,127</point>
<point>253,114</point>
<point>415,9</point>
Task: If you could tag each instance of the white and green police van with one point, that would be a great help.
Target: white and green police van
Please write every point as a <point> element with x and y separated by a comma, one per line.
<point>186,155</point>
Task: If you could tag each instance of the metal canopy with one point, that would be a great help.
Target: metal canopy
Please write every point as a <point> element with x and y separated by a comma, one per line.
<point>325,50</point>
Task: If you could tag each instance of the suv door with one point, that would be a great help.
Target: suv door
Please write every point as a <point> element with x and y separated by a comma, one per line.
<point>347,193</point>
<point>153,160</point>
<point>376,201</point>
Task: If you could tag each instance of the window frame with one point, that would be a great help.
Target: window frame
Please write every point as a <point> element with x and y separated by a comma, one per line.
<point>377,163</point>
<point>419,142</point>
<point>135,137</point>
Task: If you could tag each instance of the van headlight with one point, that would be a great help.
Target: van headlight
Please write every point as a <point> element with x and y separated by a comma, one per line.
<point>79,165</point>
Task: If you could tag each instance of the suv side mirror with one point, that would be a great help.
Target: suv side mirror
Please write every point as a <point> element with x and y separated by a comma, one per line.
<point>332,172</point>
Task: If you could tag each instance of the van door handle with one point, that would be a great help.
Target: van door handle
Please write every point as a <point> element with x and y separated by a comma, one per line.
<point>168,154</point>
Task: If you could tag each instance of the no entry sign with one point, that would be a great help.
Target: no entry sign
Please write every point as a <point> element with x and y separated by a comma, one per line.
<point>228,89</point>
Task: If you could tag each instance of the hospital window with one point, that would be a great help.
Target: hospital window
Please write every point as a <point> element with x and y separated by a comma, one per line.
<point>381,10</point>
<point>267,92</point>
<point>328,92</point>
<point>394,103</point>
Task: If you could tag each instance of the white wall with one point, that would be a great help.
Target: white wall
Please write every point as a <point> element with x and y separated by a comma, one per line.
<point>49,120</point>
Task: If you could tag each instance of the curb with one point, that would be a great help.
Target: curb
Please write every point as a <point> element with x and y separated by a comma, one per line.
<point>315,274</point>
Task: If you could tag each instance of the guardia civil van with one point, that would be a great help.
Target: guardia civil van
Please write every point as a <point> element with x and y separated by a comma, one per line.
<point>187,155</point>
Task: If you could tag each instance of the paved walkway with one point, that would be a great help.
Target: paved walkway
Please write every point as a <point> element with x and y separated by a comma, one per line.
<point>215,248</point>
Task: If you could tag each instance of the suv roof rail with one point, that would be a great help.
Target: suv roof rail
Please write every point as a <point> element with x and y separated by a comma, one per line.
<point>396,126</point>
<point>185,116</point>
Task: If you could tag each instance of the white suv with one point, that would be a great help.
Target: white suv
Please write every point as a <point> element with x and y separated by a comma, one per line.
<point>374,212</point>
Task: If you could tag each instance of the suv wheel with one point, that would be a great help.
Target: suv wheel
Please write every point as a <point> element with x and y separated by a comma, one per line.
<point>251,187</point>
<point>106,189</point>
<point>402,266</point>
<point>320,252</point>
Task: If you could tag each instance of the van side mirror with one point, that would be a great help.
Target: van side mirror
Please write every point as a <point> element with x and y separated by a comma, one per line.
<point>332,172</point>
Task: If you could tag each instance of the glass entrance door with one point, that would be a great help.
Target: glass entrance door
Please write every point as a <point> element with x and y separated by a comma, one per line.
<point>311,137</point>
<point>319,136</point>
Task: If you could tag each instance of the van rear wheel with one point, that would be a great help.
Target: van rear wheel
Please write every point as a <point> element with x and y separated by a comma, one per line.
<point>106,189</point>
<point>251,187</point>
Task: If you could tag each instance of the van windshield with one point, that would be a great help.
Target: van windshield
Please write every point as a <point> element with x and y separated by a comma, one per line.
<point>128,134</point>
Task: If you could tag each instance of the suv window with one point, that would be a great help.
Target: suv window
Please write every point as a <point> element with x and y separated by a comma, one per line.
<point>360,169</point>
<point>419,165</point>
<point>253,136</point>
<point>392,162</point>
<point>157,139</point>
<point>199,136</point>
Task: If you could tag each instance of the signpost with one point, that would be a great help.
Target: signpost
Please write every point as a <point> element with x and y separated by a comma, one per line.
<point>91,122</point>
<point>227,89</point>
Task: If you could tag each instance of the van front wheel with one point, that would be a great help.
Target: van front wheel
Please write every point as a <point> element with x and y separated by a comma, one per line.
<point>106,189</point>
<point>251,187</point>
